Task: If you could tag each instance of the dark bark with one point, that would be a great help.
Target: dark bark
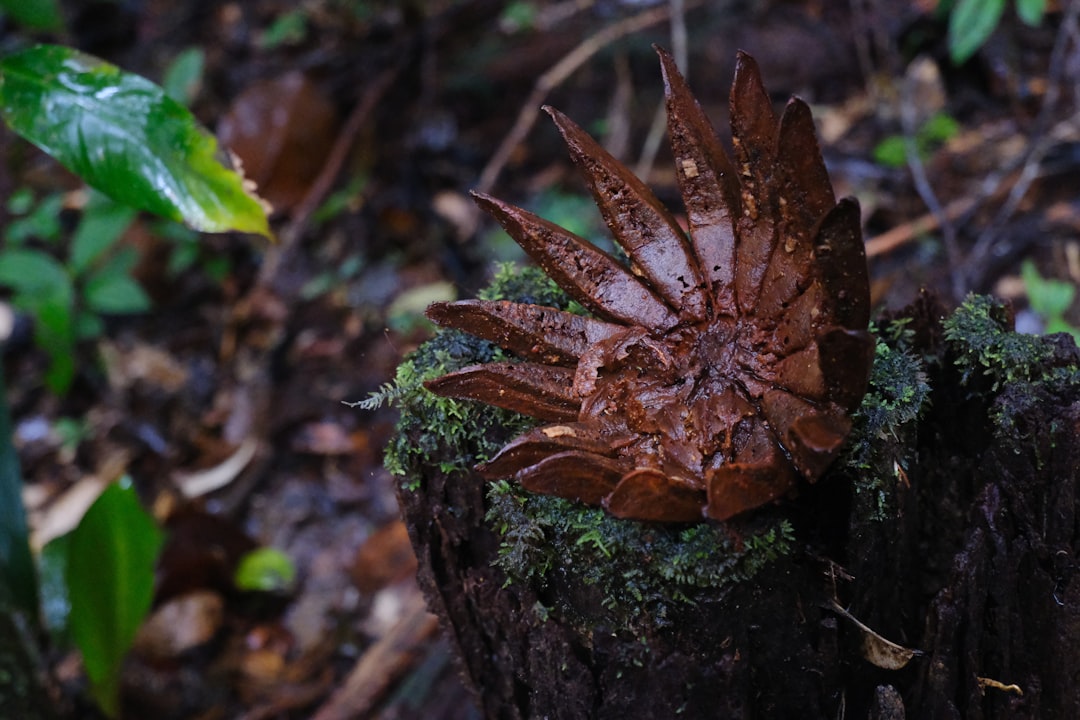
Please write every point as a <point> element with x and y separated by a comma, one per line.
<point>974,566</point>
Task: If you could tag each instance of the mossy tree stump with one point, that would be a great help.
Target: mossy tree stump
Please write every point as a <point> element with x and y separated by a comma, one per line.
<point>949,526</point>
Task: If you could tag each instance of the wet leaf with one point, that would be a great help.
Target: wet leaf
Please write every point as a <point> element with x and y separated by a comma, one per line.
<point>282,129</point>
<point>110,580</point>
<point>124,136</point>
<point>876,649</point>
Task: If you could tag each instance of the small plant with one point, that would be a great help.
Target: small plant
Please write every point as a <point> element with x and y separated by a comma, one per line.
<point>129,140</point>
<point>67,297</point>
<point>938,129</point>
<point>971,22</point>
<point>1050,299</point>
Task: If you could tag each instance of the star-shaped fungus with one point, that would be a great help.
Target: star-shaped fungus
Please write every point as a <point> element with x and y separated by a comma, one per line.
<point>718,366</point>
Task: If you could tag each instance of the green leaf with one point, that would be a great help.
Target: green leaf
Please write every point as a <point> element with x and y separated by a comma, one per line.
<point>265,570</point>
<point>891,152</point>
<point>36,14</point>
<point>970,25</point>
<point>110,582</point>
<point>1048,297</point>
<point>102,224</point>
<point>43,288</point>
<point>182,77</point>
<point>111,289</point>
<point>1031,11</point>
<point>55,334</point>
<point>939,128</point>
<point>32,273</point>
<point>124,136</point>
<point>42,222</point>
<point>18,582</point>
<point>115,294</point>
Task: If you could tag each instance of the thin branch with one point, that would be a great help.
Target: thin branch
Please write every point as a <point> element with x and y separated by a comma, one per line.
<point>680,53</point>
<point>1040,143</point>
<point>555,76</point>
<point>908,111</point>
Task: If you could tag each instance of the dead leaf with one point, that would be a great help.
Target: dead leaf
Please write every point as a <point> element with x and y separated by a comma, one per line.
<point>876,649</point>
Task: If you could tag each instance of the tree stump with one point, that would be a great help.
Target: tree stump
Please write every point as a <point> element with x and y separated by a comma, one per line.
<point>949,527</point>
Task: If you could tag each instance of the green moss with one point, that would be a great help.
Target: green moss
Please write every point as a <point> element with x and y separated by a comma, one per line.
<point>455,434</point>
<point>1015,368</point>
<point>881,445</point>
<point>639,569</point>
<point>986,347</point>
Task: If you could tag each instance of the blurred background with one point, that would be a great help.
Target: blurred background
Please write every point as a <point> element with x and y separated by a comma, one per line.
<point>218,394</point>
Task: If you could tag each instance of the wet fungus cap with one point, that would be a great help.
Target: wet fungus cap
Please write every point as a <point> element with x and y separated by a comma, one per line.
<point>723,363</point>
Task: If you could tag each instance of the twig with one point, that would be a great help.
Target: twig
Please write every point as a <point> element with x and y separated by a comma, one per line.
<point>926,191</point>
<point>681,55</point>
<point>900,235</point>
<point>1038,145</point>
<point>557,74</point>
<point>330,171</point>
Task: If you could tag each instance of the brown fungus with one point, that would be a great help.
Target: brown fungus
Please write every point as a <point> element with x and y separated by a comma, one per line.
<point>717,368</point>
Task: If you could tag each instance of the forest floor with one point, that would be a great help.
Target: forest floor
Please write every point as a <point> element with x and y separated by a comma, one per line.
<point>366,124</point>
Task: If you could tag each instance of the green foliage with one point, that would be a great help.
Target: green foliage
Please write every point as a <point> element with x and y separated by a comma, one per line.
<point>640,569</point>
<point>67,298</point>
<point>34,14</point>
<point>468,432</point>
<point>995,360</point>
<point>18,583</point>
<point>110,584</point>
<point>892,151</point>
<point>265,570</point>
<point>971,22</point>
<point>980,335</point>
<point>124,136</point>
<point>1050,299</point>
<point>884,426</point>
<point>289,28</point>
<point>518,16</point>
<point>184,75</point>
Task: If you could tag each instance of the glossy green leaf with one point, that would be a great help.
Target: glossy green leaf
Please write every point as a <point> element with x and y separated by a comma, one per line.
<point>124,136</point>
<point>36,14</point>
<point>266,570</point>
<point>18,581</point>
<point>110,582</point>
<point>970,25</point>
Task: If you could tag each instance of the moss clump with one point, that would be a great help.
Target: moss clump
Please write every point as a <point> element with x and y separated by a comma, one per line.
<point>980,334</point>
<point>452,434</point>
<point>995,360</point>
<point>638,569</point>
<point>883,428</point>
